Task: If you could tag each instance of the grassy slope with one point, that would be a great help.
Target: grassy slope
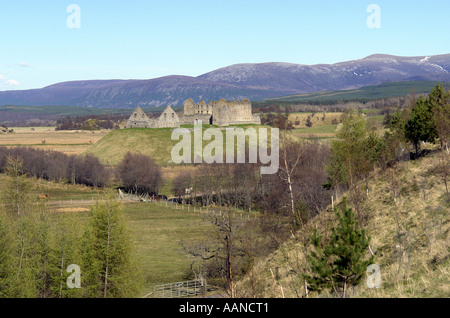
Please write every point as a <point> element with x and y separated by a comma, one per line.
<point>155,143</point>
<point>410,239</point>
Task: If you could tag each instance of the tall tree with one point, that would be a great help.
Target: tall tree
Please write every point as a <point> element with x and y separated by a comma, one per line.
<point>107,257</point>
<point>355,149</point>
<point>291,153</point>
<point>348,147</point>
<point>65,236</point>
<point>16,190</point>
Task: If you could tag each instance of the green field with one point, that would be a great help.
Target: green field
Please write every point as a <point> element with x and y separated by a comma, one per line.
<point>326,129</point>
<point>157,231</point>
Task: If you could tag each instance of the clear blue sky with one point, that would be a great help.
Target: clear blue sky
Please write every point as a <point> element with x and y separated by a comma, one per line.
<point>137,39</point>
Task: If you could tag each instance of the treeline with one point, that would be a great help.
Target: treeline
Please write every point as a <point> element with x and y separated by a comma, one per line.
<point>26,119</point>
<point>57,166</point>
<point>136,173</point>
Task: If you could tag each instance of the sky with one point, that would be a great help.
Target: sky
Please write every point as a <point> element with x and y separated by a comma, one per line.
<point>49,41</point>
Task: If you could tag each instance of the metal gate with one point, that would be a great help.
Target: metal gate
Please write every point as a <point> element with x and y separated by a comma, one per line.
<point>180,289</point>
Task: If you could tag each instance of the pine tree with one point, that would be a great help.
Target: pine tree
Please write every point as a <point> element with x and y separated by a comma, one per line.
<point>340,263</point>
<point>421,126</point>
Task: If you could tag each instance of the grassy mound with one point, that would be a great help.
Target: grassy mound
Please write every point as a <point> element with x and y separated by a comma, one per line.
<point>155,143</point>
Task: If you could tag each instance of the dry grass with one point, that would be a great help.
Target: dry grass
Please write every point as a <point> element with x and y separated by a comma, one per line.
<point>72,142</point>
<point>316,120</point>
<point>71,209</point>
<point>171,172</point>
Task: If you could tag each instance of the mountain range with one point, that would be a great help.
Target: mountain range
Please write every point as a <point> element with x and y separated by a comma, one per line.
<point>253,81</point>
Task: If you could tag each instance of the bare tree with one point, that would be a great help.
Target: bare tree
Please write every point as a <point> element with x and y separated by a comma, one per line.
<point>140,174</point>
<point>291,154</point>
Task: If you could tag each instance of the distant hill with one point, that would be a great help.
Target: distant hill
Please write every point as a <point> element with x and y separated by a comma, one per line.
<point>252,81</point>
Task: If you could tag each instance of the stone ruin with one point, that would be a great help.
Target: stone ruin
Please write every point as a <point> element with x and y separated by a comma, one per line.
<point>220,113</point>
<point>139,119</point>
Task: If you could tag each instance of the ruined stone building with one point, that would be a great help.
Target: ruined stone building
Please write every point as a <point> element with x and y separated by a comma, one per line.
<point>221,113</point>
<point>139,119</point>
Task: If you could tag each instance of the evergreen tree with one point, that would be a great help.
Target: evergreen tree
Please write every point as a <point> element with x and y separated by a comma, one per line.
<point>66,246</point>
<point>26,258</point>
<point>15,193</point>
<point>398,122</point>
<point>340,263</point>
<point>421,126</point>
<point>108,268</point>
<point>439,101</point>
